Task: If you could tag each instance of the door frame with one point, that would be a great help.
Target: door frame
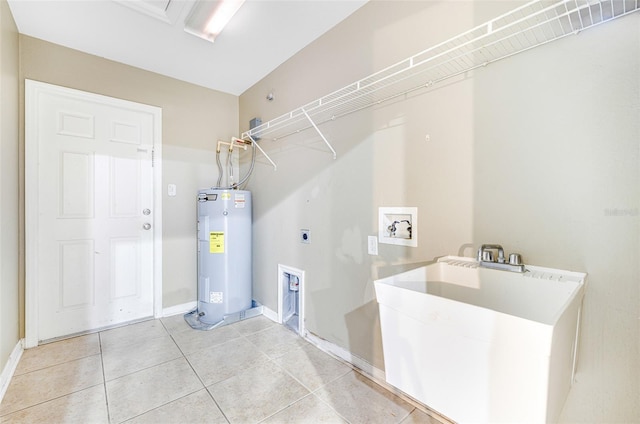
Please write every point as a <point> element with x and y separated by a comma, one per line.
<point>33,90</point>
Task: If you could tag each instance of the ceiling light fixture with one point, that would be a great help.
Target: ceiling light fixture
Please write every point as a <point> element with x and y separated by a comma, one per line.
<point>207,19</point>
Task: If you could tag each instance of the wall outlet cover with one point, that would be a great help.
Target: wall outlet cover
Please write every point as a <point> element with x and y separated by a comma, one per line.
<point>372,245</point>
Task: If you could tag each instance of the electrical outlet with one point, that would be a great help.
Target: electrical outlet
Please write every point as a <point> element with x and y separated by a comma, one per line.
<point>305,236</point>
<point>372,246</point>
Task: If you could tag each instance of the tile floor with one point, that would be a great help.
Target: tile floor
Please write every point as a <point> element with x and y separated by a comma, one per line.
<point>162,371</point>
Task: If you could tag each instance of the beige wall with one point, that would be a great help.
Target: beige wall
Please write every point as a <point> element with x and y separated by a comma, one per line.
<point>557,177</point>
<point>9,215</point>
<point>539,152</point>
<point>193,119</point>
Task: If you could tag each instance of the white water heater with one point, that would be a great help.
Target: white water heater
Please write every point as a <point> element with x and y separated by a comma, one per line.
<point>224,253</point>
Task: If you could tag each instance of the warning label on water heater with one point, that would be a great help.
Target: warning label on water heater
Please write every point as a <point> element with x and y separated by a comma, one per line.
<point>239,200</point>
<point>216,242</point>
<point>215,297</point>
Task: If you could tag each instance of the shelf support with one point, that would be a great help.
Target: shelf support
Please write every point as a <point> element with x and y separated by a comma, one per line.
<point>319,132</point>
<point>255,143</point>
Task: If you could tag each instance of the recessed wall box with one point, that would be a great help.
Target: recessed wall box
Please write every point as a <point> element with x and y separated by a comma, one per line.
<point>398,225</point>
<point>255,122</point>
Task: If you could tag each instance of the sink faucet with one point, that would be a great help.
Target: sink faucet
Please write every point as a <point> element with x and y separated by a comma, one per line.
<point>485,259</point>
<point>487,248</point>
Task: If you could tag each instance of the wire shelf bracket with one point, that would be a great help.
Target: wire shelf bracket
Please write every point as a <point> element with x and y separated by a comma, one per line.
<point>253,140</point>
<point>531,25</point>
<point>320,133</point>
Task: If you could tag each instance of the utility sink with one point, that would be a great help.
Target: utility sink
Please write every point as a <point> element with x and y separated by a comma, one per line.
<point>482,345</point>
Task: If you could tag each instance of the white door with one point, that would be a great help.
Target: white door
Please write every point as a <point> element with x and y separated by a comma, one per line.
<point>94,231</point>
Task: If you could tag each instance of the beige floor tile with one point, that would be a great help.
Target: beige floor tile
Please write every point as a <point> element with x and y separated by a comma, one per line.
<point>128,335</point>
<point>193,340</point>
<point>175,324</point>
<point>312,367</point>
<point>88,406</point>
<point>360,400</point>
<point>256,393</point>
<point>253,325</point>
<point>222,361</point>
<point>49,383</point>
<point>259,370</point>
<point>58,352</point>
<point>309,409</point>
<point>138,356</point>
<point>419,417</point>
<point>197,407</point>
<point>276,341</point>
<point>140,392</point>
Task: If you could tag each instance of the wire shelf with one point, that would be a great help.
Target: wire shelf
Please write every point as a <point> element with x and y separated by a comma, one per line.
<point>533,24</point>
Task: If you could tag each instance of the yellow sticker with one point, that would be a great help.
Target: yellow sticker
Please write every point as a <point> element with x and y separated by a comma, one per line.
<point>226,196</point>
<point>216,242</point>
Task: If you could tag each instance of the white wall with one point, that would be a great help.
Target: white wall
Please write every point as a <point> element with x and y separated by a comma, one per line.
<point>538,152</point>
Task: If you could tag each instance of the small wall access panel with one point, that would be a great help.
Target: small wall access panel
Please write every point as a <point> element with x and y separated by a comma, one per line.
<point>291,298</point>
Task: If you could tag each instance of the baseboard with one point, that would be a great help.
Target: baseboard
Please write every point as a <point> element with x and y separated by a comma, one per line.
<point>371,372</point>
<point>273,316</point>
<point>190,306</point>
<point>10,368</point>
<point>346,356</point>
<point>179,309</point>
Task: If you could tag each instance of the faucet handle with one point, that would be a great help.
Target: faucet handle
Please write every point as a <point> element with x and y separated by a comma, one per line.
<point>515,259</point>
<point>487,256</point>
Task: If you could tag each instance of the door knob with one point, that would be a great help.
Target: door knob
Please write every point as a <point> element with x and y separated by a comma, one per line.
<point>146,211</point>
<point>146,226</point>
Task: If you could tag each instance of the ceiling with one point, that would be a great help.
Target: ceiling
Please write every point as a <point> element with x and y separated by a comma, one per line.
<point>149,34</point>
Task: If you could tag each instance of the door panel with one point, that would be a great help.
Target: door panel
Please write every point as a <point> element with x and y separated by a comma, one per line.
<point>125,260</point>
<point>76,269</point>
<point>124,200</point>
<point>76,186</point>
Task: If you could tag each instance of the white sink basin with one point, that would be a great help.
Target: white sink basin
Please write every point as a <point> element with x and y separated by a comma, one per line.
<point>482,345</point>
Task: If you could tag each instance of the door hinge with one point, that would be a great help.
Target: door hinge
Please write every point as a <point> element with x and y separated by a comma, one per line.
<point>153,157</point>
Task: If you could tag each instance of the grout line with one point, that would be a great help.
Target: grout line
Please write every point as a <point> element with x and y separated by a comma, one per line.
<point>309,390</point>
<point>302,383</point>
<point>285,408</point>
<point>47,400</point>
<point>217,405</point>
<point>183,356</point>
<point>315,391</point>
<point>104,378</point>
<point>144,369</point>
<point>171,401</point>
<point>140,369</point>
<point>408,399</point>
<point>57,364</point>
<point>387,387</point>
<point>271,362</point>
<point>330,406</point>
<point>93,331</point>
<point>55,397</point>
<point>198,376</point>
